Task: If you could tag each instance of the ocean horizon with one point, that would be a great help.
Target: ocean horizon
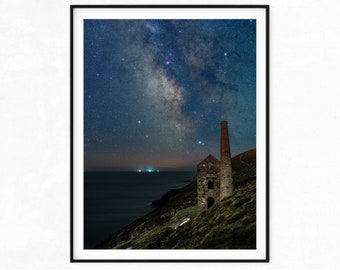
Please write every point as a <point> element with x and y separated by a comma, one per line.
<point>114,199</point>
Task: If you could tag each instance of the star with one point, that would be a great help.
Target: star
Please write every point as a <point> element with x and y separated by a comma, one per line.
<point>200,143</point>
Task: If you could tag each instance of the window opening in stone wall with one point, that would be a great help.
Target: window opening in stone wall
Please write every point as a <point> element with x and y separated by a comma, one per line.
<point>210,185</point>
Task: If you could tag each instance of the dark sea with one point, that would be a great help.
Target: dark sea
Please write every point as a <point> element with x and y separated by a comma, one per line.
<point>113,200</point>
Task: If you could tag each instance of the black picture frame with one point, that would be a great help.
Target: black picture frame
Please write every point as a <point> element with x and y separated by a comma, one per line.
<point>74,129</point>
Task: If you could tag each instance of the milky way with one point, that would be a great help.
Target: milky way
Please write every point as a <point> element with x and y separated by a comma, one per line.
<point>155,91</point>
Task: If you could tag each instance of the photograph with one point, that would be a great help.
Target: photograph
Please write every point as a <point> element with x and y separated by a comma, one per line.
<point>169,133</point>
<point>153,135</point>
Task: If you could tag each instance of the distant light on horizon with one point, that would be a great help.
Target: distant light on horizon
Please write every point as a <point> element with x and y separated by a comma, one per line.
<point>148,170</point>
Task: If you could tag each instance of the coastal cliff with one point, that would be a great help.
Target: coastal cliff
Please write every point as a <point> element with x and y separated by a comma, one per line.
<point>178,223</point>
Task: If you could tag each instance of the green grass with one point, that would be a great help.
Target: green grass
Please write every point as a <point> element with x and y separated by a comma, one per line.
<point>230,224</point>
<point>183,213</point>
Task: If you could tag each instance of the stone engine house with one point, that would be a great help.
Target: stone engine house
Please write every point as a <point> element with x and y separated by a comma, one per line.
<point>214,177</point>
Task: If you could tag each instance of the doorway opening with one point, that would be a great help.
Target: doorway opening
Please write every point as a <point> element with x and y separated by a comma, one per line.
<point>211,202</point>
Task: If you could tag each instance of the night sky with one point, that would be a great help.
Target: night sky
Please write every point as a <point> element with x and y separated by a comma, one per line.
<point>155,91</point>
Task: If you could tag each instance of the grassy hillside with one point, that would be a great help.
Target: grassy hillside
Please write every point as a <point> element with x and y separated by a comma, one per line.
<point>177,223</point>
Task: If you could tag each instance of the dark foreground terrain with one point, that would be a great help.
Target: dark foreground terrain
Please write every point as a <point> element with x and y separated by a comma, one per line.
<point>177,223</point>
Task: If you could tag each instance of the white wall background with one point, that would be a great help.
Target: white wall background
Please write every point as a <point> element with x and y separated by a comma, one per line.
<point>35,135</point>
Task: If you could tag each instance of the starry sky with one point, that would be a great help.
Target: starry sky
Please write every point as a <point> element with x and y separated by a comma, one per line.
<point>155,91</point>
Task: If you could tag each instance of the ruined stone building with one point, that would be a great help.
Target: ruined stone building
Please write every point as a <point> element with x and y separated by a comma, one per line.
<point>214,177</point>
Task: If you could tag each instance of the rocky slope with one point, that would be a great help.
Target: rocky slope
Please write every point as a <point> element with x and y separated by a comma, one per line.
<point>177,223</point>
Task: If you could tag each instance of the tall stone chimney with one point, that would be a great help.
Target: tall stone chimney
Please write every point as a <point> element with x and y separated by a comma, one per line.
<point>226,175</point>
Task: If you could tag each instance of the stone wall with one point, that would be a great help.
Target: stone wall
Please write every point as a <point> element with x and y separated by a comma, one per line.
<point>208,181</point>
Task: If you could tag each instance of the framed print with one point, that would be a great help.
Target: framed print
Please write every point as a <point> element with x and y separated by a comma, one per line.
<point>169,133</point>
